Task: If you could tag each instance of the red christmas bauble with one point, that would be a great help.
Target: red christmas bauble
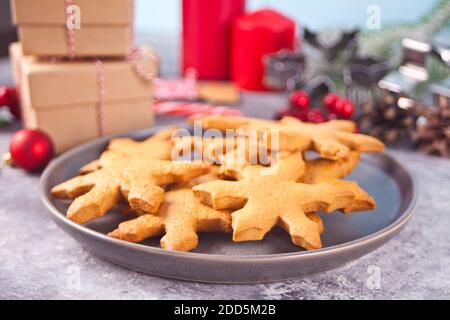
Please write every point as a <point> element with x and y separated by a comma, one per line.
<point>31,149</point>
<point>14,103</point>
<point>9,98</point>
<point>4,96</point>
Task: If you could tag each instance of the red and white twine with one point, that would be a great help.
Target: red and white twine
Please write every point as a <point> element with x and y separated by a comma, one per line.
<point>165,89</point>
<point>191,109</point>
<point>177,89</point>
<point>101,97</point>
<point>133,56</point>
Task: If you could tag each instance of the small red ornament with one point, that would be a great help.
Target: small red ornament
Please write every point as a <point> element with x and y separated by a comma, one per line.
<point>9,98</point>
<point>4,93</point>
<point>14,103</point>
<point>31,149</point>
<point>300,100</point>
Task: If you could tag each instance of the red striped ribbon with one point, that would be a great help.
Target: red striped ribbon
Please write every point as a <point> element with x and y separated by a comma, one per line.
<point>186,109</point>
<point>100,72</point>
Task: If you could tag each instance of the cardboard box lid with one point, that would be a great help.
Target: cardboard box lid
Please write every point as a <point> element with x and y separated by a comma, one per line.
<point>53,12</point>
<point>48,84</point>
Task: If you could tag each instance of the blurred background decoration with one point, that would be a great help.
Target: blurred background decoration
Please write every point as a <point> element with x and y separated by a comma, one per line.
<point>7,31</point>
<point>166,24</point>
<point>320,59</point>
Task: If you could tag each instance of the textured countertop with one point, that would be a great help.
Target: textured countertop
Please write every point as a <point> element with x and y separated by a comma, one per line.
<point>39,261</point>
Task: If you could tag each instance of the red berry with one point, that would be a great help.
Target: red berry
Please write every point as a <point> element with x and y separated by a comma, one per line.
<point>330,100</point>
<point>315,116</point>
<point>347,109</point>
<point>301,115</point>
<point>300,100</point>
<point>339,107</point>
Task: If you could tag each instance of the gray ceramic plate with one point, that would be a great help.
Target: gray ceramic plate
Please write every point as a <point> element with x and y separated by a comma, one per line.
<point>218,259</point>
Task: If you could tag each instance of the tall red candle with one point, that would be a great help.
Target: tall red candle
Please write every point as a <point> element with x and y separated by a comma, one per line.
<point>206,36</point>
<point>253,36</point>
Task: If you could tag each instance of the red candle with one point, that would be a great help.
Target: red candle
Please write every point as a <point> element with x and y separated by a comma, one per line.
<point>253,36</point>
<point>206,36</point>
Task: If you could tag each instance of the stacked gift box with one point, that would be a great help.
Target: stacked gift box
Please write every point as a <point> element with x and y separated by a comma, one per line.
<point>79,82</point>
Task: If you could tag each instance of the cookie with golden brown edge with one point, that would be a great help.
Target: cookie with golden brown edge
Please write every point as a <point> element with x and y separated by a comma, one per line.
<point>325,170</point>
<point>180,218</point>
<point>270,133</point>
<point>333,139</point>
<point>159,146</point>
<point>94,193</point>
<point>263,199</point>
<point>144,177</point>
<point>321,170</point>
<point>139,180</point>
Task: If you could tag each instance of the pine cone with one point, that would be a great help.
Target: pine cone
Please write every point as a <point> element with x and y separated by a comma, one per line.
<point>386,120</point>
<point>432,133</point>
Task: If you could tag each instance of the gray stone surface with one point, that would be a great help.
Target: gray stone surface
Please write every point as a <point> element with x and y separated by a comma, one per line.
<point>39,261</point>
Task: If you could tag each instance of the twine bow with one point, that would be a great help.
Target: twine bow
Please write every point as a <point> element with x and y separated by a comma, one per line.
<point>134,54</point>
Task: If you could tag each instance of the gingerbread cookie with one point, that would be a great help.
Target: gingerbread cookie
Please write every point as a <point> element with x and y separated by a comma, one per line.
<point>139,180</point>
<point>97,192</point>
<point>158,146</point>
<point>324,170</point>
<point>144,177</point>
<point>321,170</point>
<point>180,218</point>
<point>333,140</point>
<point>264,199</point>
<point>270,133</point>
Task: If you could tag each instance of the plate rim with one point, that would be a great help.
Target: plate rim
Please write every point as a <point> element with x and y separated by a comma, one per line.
<point>373,238</point>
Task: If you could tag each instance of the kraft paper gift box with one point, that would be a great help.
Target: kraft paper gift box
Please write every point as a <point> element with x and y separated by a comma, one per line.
<point>15,56</point>
<point>64,98</point>
<point>106,27</point>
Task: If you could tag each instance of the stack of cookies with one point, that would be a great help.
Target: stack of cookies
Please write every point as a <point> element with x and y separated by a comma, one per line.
<point>234,187</point>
